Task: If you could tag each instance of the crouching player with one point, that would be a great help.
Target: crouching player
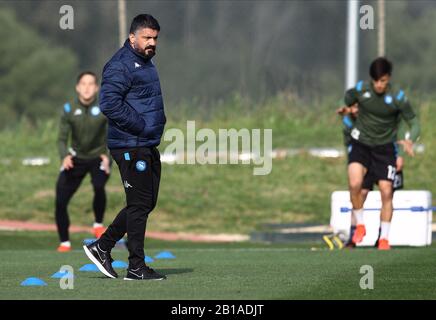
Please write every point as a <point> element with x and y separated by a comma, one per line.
<point>87,126</point>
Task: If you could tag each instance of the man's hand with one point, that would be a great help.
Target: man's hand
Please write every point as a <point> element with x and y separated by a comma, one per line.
<point>105,163</point>
<point>400,163</point>
<point>342,110</point>
<point>353,110</point>
<point>67,163</point>
<point>408,146</point>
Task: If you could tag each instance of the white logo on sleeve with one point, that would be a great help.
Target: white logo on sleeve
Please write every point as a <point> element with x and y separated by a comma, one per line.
<point>355,133</point>
<point>388,99</point>
<point>127,185</point>
<point>367,94</point>
<point>137,65</point>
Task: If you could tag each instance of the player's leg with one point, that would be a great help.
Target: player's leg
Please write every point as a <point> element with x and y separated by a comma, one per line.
<point>118,228</point>
<point>358,165</point>
<point>357,153</point>
<point>67,184</point>
<point>140,174</point>
<point>142,199</point>
<point>367,186</point>
<point>386,191</point>
<point>356,173</point>
<point>384,160</point>
<point>98,180</point>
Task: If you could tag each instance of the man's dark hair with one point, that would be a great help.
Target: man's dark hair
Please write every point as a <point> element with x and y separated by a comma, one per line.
<point>380,67</point>
<point>144,21</point>
<point>87,73</point>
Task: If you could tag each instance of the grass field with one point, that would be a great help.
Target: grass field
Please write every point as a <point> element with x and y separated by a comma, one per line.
<point>221,271</point>
<point>215,199</point>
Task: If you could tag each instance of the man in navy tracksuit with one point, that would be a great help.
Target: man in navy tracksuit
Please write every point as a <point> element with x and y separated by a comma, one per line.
<point>131,99</point>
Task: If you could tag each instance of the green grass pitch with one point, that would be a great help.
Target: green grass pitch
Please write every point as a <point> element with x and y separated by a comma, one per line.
<point>221,271</point>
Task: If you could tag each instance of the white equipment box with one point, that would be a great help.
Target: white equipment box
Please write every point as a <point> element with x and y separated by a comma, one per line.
<point>411,222</point>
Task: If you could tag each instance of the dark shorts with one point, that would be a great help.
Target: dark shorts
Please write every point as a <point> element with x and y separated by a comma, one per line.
<point>369,181</point>
<point>380,161</point>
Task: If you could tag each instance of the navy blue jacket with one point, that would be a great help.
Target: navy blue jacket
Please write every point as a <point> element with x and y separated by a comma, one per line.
<point>131,98</point>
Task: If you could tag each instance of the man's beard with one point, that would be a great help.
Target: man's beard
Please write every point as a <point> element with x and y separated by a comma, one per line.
<point>150,53</point>
<point>144,53</point>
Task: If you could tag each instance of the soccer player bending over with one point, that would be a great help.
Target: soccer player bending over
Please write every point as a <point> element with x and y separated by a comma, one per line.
<point>373,136</point>
<point>83,121</point>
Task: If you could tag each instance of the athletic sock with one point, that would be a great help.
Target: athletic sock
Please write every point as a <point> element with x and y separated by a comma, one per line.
<point>358,214</point>
<point>385,226</point>
<point>97,225</point>
<point>66,244</point>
